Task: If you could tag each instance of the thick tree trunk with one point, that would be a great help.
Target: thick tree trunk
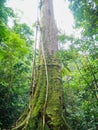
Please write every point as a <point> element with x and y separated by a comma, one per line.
<point>48,29</point>
<point>46,108</point>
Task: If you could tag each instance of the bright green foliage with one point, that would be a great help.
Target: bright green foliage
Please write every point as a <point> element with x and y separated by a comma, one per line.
<point>80,67</point>
<point>80,64</point>
<point>14,76</point>
<point>81,93</point>
<point>82,83</point>
<point>79,73</point>
<point>15,68</point>
<point>5,12</point>
<point>86,15</point>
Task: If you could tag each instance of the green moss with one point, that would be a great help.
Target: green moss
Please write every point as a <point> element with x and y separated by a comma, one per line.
<point>53,111</point>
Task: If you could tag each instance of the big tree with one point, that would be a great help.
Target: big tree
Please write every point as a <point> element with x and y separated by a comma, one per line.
<point>46,110</point>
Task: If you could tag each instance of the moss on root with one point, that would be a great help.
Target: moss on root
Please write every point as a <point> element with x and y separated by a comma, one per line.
<point>53,115</point>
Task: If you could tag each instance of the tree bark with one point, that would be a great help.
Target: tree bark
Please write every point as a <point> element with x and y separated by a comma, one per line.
<point>48,29</point>
<point>46,108</point>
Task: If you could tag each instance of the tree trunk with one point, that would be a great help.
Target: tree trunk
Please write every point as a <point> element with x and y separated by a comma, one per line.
<point>48,29</point>
<point>46,108</point>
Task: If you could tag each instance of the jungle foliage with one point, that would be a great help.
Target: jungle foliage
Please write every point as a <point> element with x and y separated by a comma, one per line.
<point>79,67</point>
<point>15,67</point>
